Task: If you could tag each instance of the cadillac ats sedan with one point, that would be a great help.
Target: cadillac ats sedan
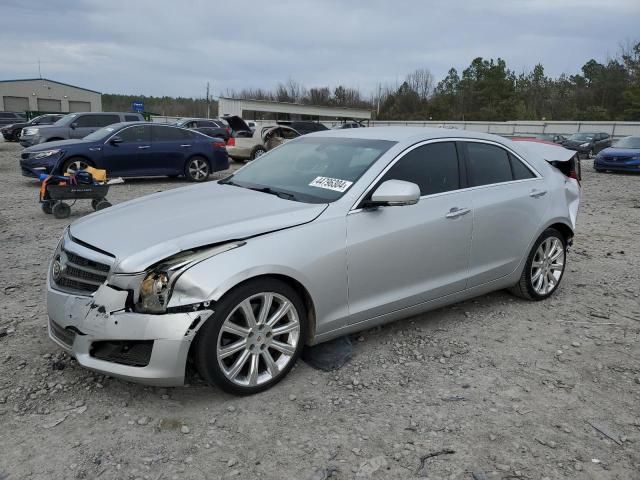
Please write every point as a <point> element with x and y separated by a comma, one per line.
<point>326,235</point>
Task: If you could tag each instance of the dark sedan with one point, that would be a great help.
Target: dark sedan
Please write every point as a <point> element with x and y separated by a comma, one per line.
<point>11,133</point>
<point>587,144</point>
<point>131,149</point>
<point>623,156</point>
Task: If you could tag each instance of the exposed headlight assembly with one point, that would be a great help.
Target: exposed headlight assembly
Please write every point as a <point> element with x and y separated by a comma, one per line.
<point>157,286</point>
<point>31,131</point>
<point>45,154</point>
<point>584,145</point>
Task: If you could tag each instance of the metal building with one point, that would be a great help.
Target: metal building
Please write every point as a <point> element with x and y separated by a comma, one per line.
<point>266,110</point>
<point>44,95</point>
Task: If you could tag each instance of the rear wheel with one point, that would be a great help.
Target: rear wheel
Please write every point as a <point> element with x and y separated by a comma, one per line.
<point>197,169</point>
<point>253,339</point>
<point>258,152</point>
<point>544,268</point>
<point>75,164</point>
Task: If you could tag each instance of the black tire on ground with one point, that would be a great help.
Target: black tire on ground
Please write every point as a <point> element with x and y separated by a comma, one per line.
<point>47,207</point>
<point>95,202</point>
<point>197,169</point>
<point>61,210</point>
<point>257,152</point>
<point>102,204</point>
<point>206,347</point>
<point>74,164</point>
<point>524,288</point>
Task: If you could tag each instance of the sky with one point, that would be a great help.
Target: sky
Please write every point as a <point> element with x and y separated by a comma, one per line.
<point>174,47</point>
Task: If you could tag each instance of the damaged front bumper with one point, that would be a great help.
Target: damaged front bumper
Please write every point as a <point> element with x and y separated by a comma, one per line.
<point>104,337</point>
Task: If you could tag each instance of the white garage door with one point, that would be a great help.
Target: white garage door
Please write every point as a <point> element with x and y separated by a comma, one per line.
<point>16,104</point>
<point>76,106</point>
<point>49,105</point>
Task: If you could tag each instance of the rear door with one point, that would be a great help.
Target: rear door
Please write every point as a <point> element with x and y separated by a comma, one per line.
<point>132,156</point>
<point>171,146</point>
<point>509,199</point>
<point>398,257</point>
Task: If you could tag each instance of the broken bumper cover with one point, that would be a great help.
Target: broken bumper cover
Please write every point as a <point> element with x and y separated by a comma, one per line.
<point>80,323</point>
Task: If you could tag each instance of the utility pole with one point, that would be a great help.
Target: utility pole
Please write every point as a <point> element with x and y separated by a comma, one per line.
<point>208,103</point>
<point>379,93</point>
<point>39,71</point>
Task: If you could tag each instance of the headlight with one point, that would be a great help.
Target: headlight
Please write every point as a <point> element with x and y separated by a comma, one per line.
<point>45,154</point>
<point>584,145</point>
<point>31,131</point>
<point>157,286</point>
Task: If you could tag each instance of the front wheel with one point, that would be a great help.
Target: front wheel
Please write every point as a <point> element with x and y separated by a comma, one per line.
<point>197,169</point>
<point>74,165</point>
<point>544,268</point>
<point>253,339</point>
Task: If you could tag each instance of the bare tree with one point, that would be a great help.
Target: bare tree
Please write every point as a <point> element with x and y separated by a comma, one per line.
<point>421,82</point>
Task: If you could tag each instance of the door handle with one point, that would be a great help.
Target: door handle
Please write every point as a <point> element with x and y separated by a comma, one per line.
<point>185,145</point>
<point>456,212</point>
<point>537,193</point>
<point>142,147</point>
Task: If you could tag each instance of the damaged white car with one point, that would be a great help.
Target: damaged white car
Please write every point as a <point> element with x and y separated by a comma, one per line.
<point>329,234</point>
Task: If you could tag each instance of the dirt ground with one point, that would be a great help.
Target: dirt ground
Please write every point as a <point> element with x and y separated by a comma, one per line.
<point>495,388</point>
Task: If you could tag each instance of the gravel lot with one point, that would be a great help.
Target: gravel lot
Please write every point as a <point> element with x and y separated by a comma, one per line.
<point>495,386</point>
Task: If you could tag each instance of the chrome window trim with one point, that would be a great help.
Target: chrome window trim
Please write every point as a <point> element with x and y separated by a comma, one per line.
<point>443,140</point>
<point>127,127</point>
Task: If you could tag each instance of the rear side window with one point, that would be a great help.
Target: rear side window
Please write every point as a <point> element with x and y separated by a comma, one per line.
<point>166,134</point>
<point>131,118</point>
<point>96,120</point>
<point>488,164</point>
<point>520,170</point>
<point>433,167</point>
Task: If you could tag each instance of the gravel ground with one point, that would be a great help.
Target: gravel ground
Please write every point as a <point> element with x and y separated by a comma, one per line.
<point>495,386</point>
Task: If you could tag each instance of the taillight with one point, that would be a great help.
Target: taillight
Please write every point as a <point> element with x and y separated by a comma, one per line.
<point>219,145</point>
<point>574,172</point>
<point>231,142</point>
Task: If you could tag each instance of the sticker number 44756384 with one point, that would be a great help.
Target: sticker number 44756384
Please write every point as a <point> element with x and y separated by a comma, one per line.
<point>331,183</point>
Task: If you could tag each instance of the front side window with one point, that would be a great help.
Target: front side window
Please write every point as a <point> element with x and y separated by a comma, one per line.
<point>137,133</point>
<point>312,170</point>
<point>488,164</point>
<point>433,167</point>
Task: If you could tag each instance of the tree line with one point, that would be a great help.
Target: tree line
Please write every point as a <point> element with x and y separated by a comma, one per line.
<point>487,90</point>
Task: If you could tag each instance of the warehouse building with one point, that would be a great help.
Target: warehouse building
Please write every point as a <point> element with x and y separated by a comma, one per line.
<point>44,95</point>
<point>266,110</point>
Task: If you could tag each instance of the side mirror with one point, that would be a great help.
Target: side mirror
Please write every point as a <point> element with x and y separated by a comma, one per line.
<point>395,193</point>
<point>74,125</point>
<point>116,140</point>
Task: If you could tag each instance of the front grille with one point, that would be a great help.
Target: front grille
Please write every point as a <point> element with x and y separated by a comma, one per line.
<point>79,274</point>
<point>127,352</point>
<point>62,334</point>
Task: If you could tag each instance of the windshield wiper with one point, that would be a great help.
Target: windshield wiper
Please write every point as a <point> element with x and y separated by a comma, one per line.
<point>271,191</point>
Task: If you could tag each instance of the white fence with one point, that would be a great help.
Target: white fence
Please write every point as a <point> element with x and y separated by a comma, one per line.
<point>525,127</point>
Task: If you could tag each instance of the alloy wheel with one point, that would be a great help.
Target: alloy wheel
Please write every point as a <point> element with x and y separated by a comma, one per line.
<point>75,167</point>
<point>547,266</point>
<point>258,339</point>
<point>198,169</point>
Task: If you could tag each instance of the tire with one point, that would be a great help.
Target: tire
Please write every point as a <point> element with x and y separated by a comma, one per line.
<point>47,207</point>
<point>232,373</point>
<point>197,169</point>
<point>61,210</point>
<point>257,152</point>
<point>102,204</point>
<point>534,282</point>
<point>74,164</point>
<point>95,202</point>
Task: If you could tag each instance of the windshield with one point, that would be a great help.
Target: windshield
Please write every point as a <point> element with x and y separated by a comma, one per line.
<point>100,134</point>
<point>581,136</point>
<point>628,142</point>
<point>312,170</point>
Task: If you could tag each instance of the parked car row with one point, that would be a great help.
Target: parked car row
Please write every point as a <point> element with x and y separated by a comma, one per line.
<point>11,132</point>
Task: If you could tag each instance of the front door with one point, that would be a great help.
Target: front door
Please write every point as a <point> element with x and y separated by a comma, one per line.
<point>398,257</point>
<point>130,157</point>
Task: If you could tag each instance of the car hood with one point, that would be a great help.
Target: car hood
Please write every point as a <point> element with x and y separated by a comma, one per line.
<point>147,230</point>
<point>57,144</point>
<point>620,152</point>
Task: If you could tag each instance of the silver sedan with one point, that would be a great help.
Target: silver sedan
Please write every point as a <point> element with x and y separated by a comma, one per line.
<point>326,235</point>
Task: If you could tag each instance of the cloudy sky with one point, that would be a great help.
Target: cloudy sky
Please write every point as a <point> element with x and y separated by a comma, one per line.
<point>173,47</point>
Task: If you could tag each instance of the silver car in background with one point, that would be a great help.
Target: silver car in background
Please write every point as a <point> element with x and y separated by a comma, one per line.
<point>328,234</point>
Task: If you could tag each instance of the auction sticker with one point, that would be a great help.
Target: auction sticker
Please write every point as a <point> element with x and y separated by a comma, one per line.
<point>331,183</point>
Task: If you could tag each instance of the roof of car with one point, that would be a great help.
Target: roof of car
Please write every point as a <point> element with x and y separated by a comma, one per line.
<point>402,134</point>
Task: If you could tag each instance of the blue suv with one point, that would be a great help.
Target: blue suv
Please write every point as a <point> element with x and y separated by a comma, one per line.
<point>131,149</point>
